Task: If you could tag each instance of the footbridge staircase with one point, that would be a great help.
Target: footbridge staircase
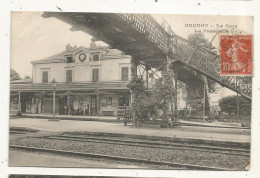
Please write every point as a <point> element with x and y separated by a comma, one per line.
<point>142,37</point>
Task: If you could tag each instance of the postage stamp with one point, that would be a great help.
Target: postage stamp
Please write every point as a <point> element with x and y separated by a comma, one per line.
<point>236,55</point>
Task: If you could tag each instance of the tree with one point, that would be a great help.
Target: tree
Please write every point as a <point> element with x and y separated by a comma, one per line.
<point>212,85</point>
<point>229,105</point>
<point>14,75</point>
<point>200,40</point>
<point>27,77</point>
<point>154,102</point>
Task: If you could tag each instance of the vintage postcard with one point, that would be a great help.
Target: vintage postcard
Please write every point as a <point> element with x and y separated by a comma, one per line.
<point>122,90</point>
<point>63,176</point>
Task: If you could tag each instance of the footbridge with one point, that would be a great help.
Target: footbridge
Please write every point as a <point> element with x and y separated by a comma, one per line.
<point>142,37</point>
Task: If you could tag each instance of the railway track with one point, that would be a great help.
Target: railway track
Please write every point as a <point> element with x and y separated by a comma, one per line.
<point>21,130</point>
<point>162,153</point>
<point>201,148</point>
<point>17,132</point>
<point>118,158</point>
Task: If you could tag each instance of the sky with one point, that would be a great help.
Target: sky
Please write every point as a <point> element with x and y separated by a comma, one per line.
<point>34,37</point>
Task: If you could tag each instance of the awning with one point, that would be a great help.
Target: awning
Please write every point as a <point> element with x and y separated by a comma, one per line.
<point>91,86</point>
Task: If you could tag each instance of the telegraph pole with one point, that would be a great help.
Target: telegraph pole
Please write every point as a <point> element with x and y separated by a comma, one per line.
<point>147,76</point>
<point>204,101</point>
<point>19,101</point>
<point>238,108</point>
<point>54,93</point>
<point>237,102</point>
<point>134,63</point>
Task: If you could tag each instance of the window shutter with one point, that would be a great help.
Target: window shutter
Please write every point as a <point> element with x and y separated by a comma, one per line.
<point>95,75</point>
<point>69,76</point>
<point>45,77</point>
<point>124,73</point>
<point>96,57</point>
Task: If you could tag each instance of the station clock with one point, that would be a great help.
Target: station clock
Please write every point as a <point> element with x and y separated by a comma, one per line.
<point>82,57</point>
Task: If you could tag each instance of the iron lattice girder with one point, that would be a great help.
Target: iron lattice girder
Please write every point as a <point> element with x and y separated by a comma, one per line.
<point>121,30</point>
<point>194,56</point>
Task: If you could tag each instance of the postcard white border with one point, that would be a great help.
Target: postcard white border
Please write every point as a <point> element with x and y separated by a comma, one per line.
<point>220,7</point>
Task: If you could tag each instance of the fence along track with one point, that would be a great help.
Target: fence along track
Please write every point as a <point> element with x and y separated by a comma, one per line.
<point>117,158</point>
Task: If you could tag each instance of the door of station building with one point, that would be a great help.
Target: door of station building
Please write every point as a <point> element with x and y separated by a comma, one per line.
<point>93,106</point>
<point>26,102</point>
<point>23,104</point>
<point>62,104</point>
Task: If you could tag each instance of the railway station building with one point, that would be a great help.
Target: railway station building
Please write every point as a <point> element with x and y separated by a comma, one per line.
<point>87,81</point>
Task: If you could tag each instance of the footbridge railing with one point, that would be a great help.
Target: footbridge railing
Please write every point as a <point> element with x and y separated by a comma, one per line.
<point>198,58</point>
<point>195,57</point>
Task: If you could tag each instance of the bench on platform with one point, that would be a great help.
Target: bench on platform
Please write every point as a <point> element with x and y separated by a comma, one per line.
<point>107,113</point>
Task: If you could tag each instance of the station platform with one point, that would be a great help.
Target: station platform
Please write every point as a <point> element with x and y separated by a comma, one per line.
<point>114,119</point>
<point>74,117</point>
<point>188,132</point>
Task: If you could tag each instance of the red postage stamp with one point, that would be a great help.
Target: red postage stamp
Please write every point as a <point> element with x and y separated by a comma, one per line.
<point>236,55</point>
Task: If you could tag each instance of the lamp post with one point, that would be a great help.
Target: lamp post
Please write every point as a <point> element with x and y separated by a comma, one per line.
<point>54,83</point>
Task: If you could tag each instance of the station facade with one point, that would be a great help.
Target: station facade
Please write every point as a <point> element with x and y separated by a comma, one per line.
<point>87,81</point>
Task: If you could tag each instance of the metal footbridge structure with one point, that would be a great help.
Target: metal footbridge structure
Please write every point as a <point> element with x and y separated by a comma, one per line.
<point>142,37</point>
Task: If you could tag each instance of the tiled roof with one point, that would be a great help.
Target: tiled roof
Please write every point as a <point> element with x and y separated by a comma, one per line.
<point>90,86</point>
<point>113,52</point>
<point>21,81</point>
<point>59,58</point>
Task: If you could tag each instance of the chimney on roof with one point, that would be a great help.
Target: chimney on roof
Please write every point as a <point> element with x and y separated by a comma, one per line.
<point>93,43</point>
<point>68,47</point>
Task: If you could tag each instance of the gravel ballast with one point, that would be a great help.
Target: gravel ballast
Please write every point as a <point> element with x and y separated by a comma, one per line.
<point>156,154</point>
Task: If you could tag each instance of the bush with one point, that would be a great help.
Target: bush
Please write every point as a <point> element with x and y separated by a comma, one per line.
<point>150,103</point>
<point>229,105</point>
